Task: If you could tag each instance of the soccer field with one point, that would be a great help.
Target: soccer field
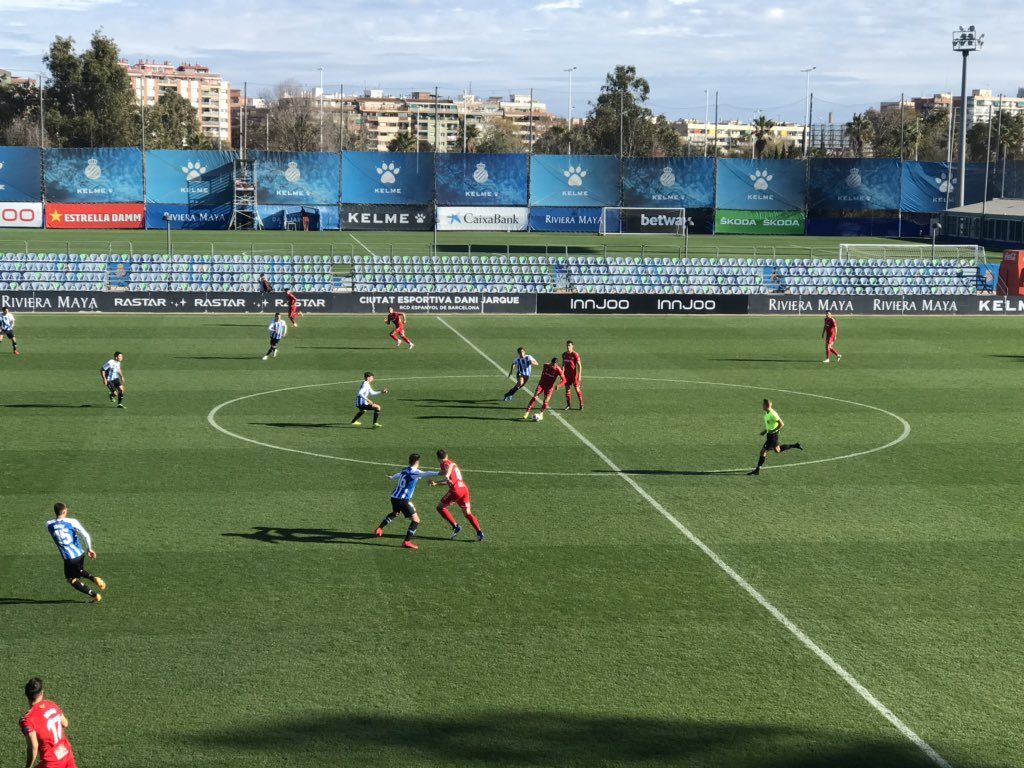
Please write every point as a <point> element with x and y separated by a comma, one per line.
<point>252,619</point>
<point>362,243</point>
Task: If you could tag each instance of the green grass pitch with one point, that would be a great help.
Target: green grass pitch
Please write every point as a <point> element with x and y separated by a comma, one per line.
<point>249,621</point>
<point>419,243</point>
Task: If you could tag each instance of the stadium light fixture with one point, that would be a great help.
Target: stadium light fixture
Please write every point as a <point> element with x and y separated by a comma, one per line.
<point>570,70</point>
<point>964,42</point>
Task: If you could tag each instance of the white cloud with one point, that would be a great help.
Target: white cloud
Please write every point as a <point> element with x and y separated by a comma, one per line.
<point>559,5</point>
<point>775,13</point>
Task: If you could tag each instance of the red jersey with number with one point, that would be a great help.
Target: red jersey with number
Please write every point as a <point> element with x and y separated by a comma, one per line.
<point>46,721</point>
<point>450,470</point>
<point>830,326</point>
<point>571,362</point>
<point>551,374</point>
<point>395,319</point>
<point>293,300</point>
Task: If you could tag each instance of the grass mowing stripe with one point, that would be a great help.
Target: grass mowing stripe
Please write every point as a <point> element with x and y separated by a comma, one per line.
<point>778,615</point>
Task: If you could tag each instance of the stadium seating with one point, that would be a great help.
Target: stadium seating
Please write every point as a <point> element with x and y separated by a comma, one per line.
<point>488,273</point>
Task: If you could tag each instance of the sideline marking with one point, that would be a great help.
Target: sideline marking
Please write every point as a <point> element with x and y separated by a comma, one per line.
<point>778,615</point>
<point>362,245</point>
<point>210,417</point>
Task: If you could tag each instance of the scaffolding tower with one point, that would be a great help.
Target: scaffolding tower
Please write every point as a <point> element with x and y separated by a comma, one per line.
<point>244,213</point>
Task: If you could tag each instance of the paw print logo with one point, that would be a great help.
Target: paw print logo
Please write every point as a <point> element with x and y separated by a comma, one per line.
<point>92,169</point>
<point>575,175</point>
<point>388,172</point>
<point>193,170</point>
<point>945,182</point>
<point>292,172</point>
<point>667,178</point>
<point>853,179</point>
<point>420,218</point>
<point>760,179</point>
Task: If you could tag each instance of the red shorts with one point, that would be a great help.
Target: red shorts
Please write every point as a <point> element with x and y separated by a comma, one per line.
<point>571,377</point>
<point>831,339</point>
<point>399,329</point>
<point>293,312</point>
<point>452,497</point>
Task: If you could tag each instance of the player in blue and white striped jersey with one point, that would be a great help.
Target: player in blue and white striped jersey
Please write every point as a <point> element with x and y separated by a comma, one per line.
<point>401,499</point>
<point>113,377</point>
<point>364,403</point>
<point>277,330</point>
<point>522,367</point>
<point>7,327</point>
<point>74,544</point>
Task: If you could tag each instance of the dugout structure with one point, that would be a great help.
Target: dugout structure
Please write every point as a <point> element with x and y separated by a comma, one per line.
<point>643,221</point>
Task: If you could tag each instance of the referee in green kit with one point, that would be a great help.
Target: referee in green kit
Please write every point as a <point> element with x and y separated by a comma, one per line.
<point>773,423</point>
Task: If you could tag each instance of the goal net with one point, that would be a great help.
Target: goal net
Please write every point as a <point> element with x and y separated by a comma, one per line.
<point>972,253</point>
<point>643,221</point>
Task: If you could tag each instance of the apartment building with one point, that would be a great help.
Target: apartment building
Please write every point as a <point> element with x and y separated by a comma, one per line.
<point>208,92</point>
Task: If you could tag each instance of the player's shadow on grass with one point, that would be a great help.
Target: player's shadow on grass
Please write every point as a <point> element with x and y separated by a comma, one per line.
<point>473,418</point>
<point>45,405</point>
<point>31,601</point>
<point>310,346</point>
<point>519,738</point>
<point>675,472</point>
<point>217,357</point>
<point>1018,358</point>
<point>301,424</point>
<point>274,535</point>
<point>441,402</point>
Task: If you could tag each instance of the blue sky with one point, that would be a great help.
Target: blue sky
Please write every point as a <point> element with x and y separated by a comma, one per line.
<point>864,50</point>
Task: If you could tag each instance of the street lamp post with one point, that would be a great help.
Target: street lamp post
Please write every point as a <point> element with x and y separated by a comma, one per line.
<point>965,41</point>
<point>321,109</point>
<point>807,106</point>
<point>570,70</point>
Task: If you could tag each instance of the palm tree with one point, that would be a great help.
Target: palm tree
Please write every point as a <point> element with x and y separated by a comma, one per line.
<point>860,131</point>
<point>762,133</point>
<point>912,136</point>
<point>403,142</point>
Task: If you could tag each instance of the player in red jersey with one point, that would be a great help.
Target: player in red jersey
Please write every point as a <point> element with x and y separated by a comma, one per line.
<point>397,319</point>
<point>458,493</point>
<point>43,726</point>
<point>551,378</point>
<point>829,334</point>
<point>573,367</point>
<point>293,306</point>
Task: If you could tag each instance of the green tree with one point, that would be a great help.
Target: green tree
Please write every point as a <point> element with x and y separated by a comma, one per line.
<point>88,97</point>
<point>403,142</point>
<point>19,107</point>
<point>861,133</point>
<point>173,123</point>
<point>911,137</point>
<point>557,140</point>
<point>500,137</point>
<point>294,116</point>
<point>762,134</point>
<point>620,120</point>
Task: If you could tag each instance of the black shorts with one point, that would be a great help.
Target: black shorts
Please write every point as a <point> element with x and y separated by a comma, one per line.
<point>113,383</point>
<point>9,334</point>
<point>274,341</point>
<point>771,441</point>
<point>73,569</point>
<point>402,507</point>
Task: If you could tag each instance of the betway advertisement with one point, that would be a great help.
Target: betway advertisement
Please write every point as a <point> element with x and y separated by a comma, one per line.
<point>396,218</point>
<point>95,215</point>
<point>21,215</point>
<point>498,219</point>
<point>759,222</point>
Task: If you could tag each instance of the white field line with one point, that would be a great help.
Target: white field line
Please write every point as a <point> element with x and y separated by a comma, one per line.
<point>362,245</point>
<point>778,615</point>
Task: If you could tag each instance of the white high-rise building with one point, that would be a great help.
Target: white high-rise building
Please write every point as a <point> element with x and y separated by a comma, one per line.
<point>204,90</point>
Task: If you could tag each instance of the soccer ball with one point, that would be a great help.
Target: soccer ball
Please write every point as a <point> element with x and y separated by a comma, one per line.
<point>538,417</point>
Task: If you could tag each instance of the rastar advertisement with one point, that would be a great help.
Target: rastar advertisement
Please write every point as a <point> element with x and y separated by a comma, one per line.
<point>387,178</point>
<point>97,175</point>
<point>476,179</point>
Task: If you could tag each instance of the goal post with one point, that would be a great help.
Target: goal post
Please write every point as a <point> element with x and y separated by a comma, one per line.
<point>643,221</point>
<point>973,253</point>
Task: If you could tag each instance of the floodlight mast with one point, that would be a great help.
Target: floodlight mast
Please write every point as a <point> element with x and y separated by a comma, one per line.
<point>965,41</point>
